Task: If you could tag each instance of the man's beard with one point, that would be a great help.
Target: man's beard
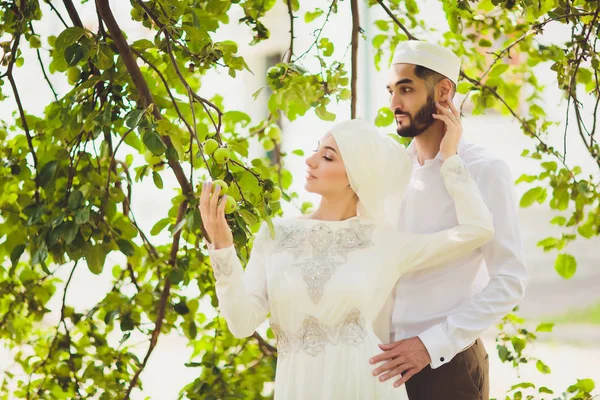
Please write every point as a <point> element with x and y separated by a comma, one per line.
<point>420,122</point>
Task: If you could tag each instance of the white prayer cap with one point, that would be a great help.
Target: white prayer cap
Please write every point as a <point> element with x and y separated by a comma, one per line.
<point>378,167</point>
<point>428,55</point>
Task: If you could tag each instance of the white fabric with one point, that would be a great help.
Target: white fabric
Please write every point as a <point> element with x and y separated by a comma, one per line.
<point>356,263</point>
<point>450,306</point>
<point>430,55</point>
<point>364,150</point>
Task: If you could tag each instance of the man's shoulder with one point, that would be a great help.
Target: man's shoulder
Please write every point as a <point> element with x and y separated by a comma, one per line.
<point>480,160</point>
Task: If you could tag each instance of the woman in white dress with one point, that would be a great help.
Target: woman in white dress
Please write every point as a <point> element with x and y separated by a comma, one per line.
<point>325,278</point>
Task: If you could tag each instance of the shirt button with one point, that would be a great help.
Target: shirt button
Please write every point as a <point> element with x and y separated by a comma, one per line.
<point>442,359</point>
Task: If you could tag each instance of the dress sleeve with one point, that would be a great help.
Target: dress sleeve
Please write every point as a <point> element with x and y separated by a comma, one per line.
<point>242,294</point>
<point>475,228</point>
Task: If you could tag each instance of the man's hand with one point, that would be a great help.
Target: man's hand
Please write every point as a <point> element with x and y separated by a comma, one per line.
<point>404,357</point>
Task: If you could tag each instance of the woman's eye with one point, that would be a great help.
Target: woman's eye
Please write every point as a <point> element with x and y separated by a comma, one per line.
<point>327,158</point>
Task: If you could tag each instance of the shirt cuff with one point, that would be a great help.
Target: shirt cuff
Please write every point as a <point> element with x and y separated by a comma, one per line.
<point>438,345</point>
<point>221,259</point>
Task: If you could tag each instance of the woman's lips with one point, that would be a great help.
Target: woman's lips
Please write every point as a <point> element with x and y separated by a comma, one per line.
<point>310,176</point>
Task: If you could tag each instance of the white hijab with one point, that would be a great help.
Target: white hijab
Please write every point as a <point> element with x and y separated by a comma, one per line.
<point>378,169</point>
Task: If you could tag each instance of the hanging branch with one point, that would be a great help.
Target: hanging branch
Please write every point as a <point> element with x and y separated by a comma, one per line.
<point>392,16</point>
<point>290,51</point>
<point>164,297</point>
<point>354,76</point>
<point>39,57</point>
<point>13,84</point>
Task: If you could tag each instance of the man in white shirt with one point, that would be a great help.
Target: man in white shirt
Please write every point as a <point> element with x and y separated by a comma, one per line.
<point>439,313</point>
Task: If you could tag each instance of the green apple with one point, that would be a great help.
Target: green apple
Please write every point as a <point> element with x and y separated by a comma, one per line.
<point>231,205</point>
<point>275,195</point>
<point>152,158</point>
<point>224,186</point>
<point>274,133</point>
<point>268,144</point>
<point>210,146</point>
<point>73,74</point>
<point>222,155</point>
<point>35,42</point>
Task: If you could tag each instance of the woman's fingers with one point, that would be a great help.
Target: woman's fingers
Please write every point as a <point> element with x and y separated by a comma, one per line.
<point>454,109</point>
<point>444,118</point>
<point>445,111</point>
<point>221,210</point>
<point>204,202</point>
<point>214,200</point>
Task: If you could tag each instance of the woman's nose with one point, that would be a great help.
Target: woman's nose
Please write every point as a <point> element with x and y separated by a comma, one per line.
<point>311,161</point>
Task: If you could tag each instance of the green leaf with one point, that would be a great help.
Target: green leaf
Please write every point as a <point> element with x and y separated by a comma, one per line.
<point>73,54</point>
<point>544,389</point>
<point>157,179</point>
<point>545,327</point>
<point>558,220</point>
<point>298,152</point>
<point>133,118</point>
<point>16,253</point>
<point>312,15</point>
<point>498,70</point>
<point>75,199</point>
<point>181,308</point>
<point>68,37</point>
<point>126,247</point>
<point>550,166</point>
<point>485,43</point>
<point>382,24</point>
<point>159,226</point>
<point>565,265</point>
<point>325,115</point>
<point>47,173</point>
<point>82,216</point>
<point>531,196</point>
<point>154,143</point>
<point>95,257</point>
<point>585,385</point>
<point>543,368</point>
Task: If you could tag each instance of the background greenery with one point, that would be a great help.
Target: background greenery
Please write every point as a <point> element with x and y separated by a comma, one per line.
<point>66,175</point>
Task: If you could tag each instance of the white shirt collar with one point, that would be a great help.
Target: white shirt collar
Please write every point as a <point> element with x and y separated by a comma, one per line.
<point>412,152</point>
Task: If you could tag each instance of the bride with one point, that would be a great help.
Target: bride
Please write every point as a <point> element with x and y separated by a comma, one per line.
<point>325,278</point>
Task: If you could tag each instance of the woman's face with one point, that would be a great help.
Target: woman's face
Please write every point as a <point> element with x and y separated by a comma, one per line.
<point>326,174</point>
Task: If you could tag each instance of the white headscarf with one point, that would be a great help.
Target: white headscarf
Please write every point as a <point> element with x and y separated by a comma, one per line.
<point>378,169</point>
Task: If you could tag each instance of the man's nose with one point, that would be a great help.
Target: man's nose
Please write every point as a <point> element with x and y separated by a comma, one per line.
<point>395,102</point>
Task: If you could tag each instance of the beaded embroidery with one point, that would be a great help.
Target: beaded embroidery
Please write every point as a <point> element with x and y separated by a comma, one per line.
<point>313,335</point>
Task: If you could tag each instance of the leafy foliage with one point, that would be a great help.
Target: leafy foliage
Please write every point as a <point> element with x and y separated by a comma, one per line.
<point>67,176</point>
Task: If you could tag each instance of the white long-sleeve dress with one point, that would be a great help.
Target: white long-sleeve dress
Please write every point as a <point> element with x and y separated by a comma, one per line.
<point>325,283</point>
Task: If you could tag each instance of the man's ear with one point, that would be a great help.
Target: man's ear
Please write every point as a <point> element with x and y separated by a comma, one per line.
<point>445,90</point>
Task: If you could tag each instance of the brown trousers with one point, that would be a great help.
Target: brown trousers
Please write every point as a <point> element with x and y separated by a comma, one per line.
<point>466,377</point>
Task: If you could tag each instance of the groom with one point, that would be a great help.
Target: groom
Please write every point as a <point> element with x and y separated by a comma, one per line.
<point>439,313</point>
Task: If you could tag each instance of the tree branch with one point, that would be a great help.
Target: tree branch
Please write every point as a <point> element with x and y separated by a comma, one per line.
<point>389,12</point>
<point>355,32</point>
<point>56,12</point>
<point>39,57</point>
<point>13,84</point>
<point>73,13</point>
<point>164,297</point>
<point>291,48</point>
<point>145,98</point>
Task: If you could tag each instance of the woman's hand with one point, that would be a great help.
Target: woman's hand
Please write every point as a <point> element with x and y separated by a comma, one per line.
<point>213,216</point>
<point>451,117</point>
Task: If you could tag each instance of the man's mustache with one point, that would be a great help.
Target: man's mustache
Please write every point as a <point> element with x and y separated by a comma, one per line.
<point>398,112</point>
